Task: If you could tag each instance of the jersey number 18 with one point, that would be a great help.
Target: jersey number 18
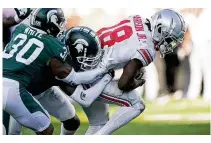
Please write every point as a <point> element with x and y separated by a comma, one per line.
<point>117,33</point>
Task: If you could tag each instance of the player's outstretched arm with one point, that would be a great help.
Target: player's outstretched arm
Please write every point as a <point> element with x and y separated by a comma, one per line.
<point>21,14</point>
<point>86,97</point>
<point>67,74</point>
<point>127,80</point>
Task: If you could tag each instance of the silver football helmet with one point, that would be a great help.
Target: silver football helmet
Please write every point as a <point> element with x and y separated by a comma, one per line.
<point>168,29</point>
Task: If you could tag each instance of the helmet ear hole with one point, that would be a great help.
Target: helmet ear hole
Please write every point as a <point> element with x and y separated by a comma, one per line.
<point>159,30</point>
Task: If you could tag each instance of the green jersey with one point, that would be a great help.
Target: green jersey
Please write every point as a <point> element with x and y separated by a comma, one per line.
<point>28,52</point>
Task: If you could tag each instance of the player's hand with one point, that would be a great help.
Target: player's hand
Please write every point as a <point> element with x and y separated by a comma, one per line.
<point>23,13</point>
<point>106,60</point>
<point>140,77</point>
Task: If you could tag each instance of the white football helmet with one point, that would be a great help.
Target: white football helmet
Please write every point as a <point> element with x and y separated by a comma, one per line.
<point>168,29</point>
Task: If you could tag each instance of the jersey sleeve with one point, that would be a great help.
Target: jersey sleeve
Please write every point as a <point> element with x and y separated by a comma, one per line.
<point>146,56</point>
<point>58,49</point>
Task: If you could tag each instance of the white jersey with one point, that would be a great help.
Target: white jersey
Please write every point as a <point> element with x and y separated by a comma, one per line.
<point>130,39</point>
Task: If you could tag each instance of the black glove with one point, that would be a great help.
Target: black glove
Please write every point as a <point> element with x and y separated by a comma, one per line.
<point>140,77</point>
<point>23,13</point>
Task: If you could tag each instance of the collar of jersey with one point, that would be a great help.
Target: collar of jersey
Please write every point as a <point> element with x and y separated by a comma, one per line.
<point>38,30</point>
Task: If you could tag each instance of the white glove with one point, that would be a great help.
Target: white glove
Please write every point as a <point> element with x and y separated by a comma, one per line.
<point>106,60</point>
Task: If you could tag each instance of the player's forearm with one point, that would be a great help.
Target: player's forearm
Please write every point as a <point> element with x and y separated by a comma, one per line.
<point>76,78</point>
<point>86,97</point>
<point>129,74</point>
<point>67,74</point>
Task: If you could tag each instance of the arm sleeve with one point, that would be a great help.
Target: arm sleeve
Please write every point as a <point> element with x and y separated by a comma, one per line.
<point>146,56</point>
<point>76,78</point>
<point>86,97</point>
<point>56,48</point>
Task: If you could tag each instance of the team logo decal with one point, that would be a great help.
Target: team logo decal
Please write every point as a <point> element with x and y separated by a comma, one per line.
<point>51,16</point>
<point>80,43</point>
<point>82,95</point>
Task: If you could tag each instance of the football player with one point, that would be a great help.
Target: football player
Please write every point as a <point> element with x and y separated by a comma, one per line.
<point>133,42</point>
<point>54,100</point>
<point>29,51</point>
<point>8,22</point>
<point>13,128</point>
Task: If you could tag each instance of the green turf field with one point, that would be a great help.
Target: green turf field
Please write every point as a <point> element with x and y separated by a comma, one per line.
<point>176,117</point>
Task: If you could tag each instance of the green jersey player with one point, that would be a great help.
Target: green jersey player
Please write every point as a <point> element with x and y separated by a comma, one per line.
<point>29,51</point>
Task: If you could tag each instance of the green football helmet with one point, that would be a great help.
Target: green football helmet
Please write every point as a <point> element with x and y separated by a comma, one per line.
<point>50,20</point>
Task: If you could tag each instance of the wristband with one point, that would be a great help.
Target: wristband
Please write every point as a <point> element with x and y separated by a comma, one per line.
<point>69,78</point>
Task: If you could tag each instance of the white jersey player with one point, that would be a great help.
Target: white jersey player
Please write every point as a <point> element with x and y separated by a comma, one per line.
<point>130,45</point>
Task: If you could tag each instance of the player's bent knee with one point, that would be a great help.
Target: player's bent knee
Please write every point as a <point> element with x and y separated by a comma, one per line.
<point>137,102</point>
<point>47,131</point>
<point>72,124</point>
<point>68,112</point>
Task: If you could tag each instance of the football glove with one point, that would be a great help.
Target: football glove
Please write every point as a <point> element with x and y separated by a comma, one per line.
<point>140,77</point>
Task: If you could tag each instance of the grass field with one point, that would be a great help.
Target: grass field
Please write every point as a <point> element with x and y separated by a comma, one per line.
<point>174,118</point>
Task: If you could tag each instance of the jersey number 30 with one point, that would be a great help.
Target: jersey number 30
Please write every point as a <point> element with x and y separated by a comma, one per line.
<point>117,33</point>
<point>25,47</point>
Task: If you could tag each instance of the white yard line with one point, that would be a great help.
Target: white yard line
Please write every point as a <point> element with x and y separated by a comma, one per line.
<point>183,117</point>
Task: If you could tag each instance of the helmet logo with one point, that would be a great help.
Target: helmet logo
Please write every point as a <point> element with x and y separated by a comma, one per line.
<point>51,16</point>
<point>80,44</point>
<point>54,19</point>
